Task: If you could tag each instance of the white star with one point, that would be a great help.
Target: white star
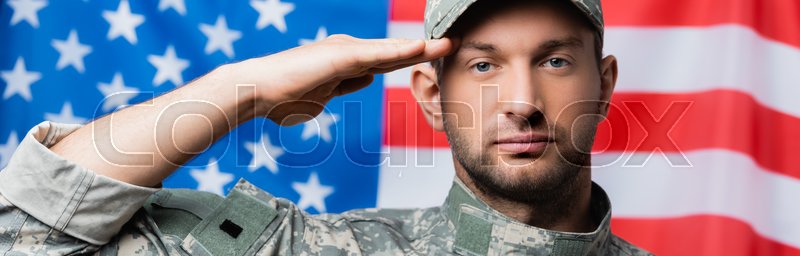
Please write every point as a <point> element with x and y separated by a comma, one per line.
<point>19,80</point>
<point>312,193</point>
<point>322,33</point>
<point>169,67</point>
<point>66,116</point>
<point>178,5</point>
<point>6,150</point>
<point>26,10</point>
<point>272,12</point>
<point>72,52</point>
<point>220,37</point>
<point>123,22</point>
<point>264,154</point>
<point>116,93</point>
<point>319,126</point>
<point>211,179</point>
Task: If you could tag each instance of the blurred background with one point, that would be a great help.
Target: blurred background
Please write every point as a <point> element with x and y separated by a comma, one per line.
<point>696,154</point>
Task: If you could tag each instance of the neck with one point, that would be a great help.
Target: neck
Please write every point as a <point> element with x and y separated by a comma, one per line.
<point>567,212</point>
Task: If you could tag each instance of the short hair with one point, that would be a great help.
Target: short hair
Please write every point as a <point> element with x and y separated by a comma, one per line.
<point>474,14</point>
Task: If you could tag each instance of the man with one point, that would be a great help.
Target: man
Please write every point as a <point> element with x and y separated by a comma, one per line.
<point>519,91</point>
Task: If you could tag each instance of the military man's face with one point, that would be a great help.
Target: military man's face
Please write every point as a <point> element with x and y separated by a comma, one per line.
<point>521,100</point>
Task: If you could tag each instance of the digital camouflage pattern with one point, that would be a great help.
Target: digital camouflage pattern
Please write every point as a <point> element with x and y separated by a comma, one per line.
<point>49,206</point>
<point>449,229</point>
<point>441,14</point>
<point>72,216</point>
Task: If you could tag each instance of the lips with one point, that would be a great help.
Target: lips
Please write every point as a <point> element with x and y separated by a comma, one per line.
<point>523,143</point>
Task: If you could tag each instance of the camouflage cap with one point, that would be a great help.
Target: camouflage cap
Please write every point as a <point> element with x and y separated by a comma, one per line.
<point>441,14</point>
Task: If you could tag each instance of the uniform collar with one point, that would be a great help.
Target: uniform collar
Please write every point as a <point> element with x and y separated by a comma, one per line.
<point>481,230</point>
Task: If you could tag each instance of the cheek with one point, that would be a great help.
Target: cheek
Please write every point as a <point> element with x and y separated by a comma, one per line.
<point>567,102</point>
<point>579,118</point>
<point>462,109</point>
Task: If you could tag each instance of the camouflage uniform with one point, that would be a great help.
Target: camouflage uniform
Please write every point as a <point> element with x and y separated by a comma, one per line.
<point>441,14</point>
<point>49,206</point>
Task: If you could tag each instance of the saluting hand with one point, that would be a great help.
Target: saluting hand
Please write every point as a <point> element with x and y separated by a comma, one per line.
<point>294,85</point>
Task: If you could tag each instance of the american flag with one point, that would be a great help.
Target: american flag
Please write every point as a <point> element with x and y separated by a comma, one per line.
<point>695,155</point>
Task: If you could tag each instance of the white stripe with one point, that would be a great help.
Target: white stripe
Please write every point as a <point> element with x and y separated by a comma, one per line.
<point>410,30</point>
<point>412,178</point>
<point>397,79</point>
<point>720,182</point>
<point>686,59</point>
<point>406,29</point>
<point>696,59</point>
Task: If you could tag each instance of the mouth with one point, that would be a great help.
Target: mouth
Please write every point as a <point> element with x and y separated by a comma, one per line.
<point>530,143</point>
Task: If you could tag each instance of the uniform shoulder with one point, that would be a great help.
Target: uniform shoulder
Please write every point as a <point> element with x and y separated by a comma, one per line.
<point>621,247</point>
<point>387,216</point>
<point>406,221</point>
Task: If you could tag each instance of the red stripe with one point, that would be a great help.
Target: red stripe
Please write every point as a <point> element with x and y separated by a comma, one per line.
<point>723,119</point>
<point>406,125</point>
<point>407,10</point>
<point>775,19</point>
<point>698,235</point>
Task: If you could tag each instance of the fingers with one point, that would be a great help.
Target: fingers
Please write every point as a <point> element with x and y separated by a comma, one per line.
<point>340,86</point>
<point>378,51</point>
<point>345,56</point>
<point>389,69</point>
<point>384,53</point>
<point>434,49</point>
<point>354,84</point>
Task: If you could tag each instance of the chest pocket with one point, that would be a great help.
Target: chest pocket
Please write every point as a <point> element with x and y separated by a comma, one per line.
<point>232,228</point>
<point>178,211</point>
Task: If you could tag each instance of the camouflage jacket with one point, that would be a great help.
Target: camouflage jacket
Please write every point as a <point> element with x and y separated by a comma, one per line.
<point>49,206</point>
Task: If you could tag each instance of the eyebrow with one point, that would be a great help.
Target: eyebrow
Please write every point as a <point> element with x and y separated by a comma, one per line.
<point>566,42</point>
<point>485,47</point>
<point>549,45</point>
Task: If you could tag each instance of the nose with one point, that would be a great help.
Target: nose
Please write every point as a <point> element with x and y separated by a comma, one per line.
<point>518,95</point>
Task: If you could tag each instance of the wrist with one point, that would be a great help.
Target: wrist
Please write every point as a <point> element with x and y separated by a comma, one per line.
<point>238,99</point>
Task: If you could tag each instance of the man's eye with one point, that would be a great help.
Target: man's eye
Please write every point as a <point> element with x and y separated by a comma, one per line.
<point>483,67</point>
<point>557,62</point>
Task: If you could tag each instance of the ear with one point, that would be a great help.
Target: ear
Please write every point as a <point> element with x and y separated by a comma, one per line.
<point>608,79</point>
<point>425,87</point>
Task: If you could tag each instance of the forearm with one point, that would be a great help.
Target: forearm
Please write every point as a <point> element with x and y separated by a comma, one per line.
<point>144,143</point>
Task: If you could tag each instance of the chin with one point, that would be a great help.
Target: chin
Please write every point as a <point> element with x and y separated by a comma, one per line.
<point>526,162</point>
<point>542,172</point>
